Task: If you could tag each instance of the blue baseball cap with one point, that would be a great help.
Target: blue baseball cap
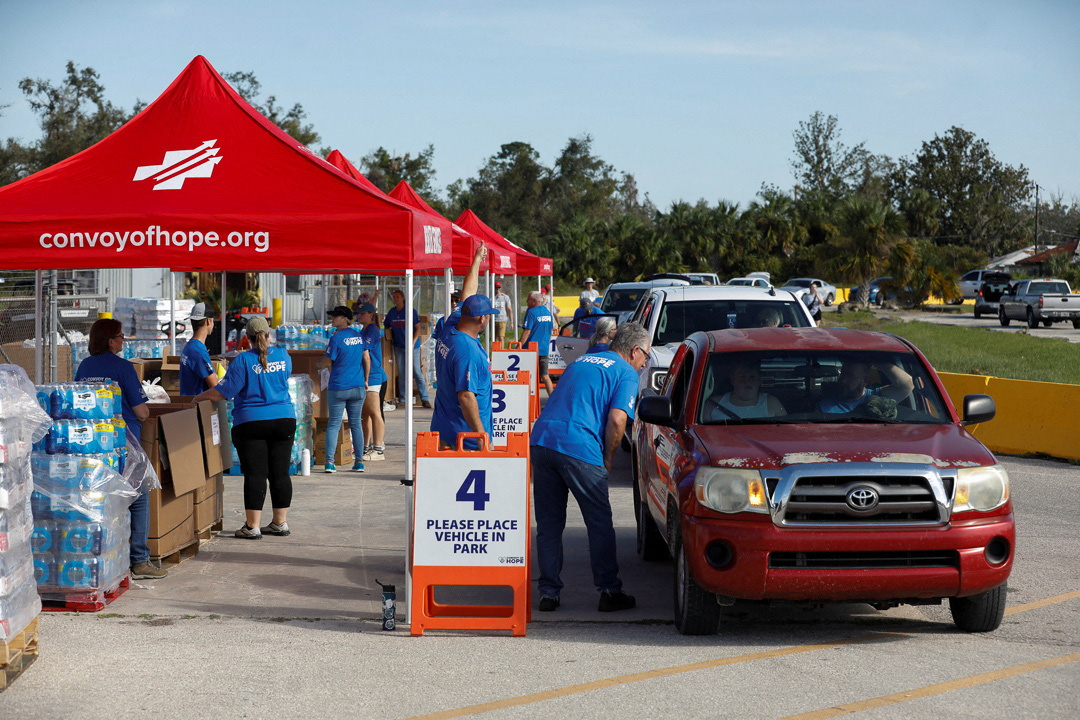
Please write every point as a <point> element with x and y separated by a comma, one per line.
<point>477,306</point>
<point>365,308</point>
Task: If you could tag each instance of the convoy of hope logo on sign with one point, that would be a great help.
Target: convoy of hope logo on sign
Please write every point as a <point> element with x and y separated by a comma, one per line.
<point>470,511</point>
<point>510,404</point>
<point>511,361</point>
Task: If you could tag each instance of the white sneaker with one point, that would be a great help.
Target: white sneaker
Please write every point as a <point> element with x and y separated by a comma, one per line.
<point>374,455</point>
<point>389,407</point>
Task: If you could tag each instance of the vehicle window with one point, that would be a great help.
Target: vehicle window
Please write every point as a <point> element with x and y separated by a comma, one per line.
<point>621,300</point>
<point>646,312</point>
<point>797,283</point>
<point>818,387</point>
<point>1048,288</point>
<point>679,384</point>
<point>973,275</point>
<point>679,320</point>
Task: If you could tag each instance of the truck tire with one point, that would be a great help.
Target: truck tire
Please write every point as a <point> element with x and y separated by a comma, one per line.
<point>1047,323</point>
<point>650,543</point>
<point>977,314</point>
<point>1031,321</point>
<point>696,611</point>
<point>1003,318</point>
<point>1076,324</point>
<point>830,300</point>
<point>979,613</point>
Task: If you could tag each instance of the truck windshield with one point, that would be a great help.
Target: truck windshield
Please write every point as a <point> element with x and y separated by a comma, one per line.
<point>621,300</point>
<point>818,387</point>
<point>679,320</point>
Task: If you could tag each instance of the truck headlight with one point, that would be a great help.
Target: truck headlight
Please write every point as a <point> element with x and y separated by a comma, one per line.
<point>731,490</point>
<point>981,488</point>
<point>657,376</point>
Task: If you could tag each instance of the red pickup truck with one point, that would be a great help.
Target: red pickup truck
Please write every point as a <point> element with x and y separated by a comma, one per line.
<point>819,465</point>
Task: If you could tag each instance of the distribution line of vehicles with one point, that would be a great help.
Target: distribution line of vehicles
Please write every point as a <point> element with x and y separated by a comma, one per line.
<point>848,476</point>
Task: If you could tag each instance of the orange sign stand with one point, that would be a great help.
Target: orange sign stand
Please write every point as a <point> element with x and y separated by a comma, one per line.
<point>471,523</point>
<point>524,377</point>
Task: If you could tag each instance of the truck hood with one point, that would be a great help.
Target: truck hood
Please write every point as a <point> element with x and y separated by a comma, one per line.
<point>775,446</point>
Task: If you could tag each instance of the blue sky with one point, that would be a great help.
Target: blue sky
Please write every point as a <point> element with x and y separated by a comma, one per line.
<point>695,99</point>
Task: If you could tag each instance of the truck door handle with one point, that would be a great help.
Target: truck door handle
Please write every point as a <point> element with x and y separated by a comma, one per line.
<point>656,441</point>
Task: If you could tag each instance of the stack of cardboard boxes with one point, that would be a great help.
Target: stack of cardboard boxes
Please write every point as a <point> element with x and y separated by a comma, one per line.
<point>189,447</point>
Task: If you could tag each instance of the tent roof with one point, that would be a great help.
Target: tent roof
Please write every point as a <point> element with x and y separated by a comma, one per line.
<point>527,263</point>
<point>338,160</point>
<point>464,242</point>
<point>199,179</point>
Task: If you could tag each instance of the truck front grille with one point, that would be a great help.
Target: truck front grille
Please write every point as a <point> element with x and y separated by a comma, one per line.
<point>840,499</point>
<point>865,560</point>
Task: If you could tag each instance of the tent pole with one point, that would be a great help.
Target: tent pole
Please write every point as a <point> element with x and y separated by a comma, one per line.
<point>172,312</point>
<point>39,355</point>
<point>410,448</point>
<point>224,328</point>
<point>487,333</point>
<point>517,304</point>
<point>53,326</point>
<point>448,277</point>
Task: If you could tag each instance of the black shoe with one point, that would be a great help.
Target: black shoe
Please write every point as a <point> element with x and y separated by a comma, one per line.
<point>612,601</point>
<point>547,604</point>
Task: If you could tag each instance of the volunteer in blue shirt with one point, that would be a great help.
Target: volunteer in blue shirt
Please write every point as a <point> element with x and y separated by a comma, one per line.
<point>538,323</point>
<point>105,365</point>
<point>463,396</point>
<point>350,364</point>
<point>264,424</point>
<point>573,442</point>
<point>585,307</point>
<point>395,324</point>
<point>196,371</point>
<point>374,422</point>
<point>601,338</point>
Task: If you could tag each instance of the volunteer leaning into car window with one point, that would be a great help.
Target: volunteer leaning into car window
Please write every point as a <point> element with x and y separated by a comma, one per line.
<point>573,442</point>
<point>257,382</point>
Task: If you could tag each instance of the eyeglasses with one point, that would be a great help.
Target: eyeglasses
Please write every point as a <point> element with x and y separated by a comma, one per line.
<point>121,336</point>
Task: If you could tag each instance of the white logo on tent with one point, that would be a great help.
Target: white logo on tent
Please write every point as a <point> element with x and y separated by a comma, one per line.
<point>179,165</point>
<point>504,261</point>
<point>432,240</point>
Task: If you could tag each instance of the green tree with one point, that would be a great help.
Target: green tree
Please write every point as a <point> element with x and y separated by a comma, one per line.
<point>870,233</point>
<point>822,163</point>
<point>291,120</point>
<point>983,202</point>
<point>73,115</point>
<point>579,183</point>
<point>386,171</point>
<point>506,193</point>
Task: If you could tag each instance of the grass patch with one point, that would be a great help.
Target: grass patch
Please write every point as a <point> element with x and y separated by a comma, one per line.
<point>975,351</point>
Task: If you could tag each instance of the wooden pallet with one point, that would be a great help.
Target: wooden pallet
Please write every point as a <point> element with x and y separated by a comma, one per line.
<point>207,534</point>
<point>180,555</point>
<point>85,601</point>
<point>18,654</point>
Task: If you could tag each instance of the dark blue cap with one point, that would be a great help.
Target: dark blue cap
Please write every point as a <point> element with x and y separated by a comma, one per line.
<point>365,308</point>
<point>477,306</point>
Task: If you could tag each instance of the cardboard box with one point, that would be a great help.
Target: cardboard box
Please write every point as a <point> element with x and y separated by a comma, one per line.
<point>306,362</point>
<point>343,454</point>
<point>214,427</point>
<point>16,354</point>
<point>209,503</point>
<point>170,374</point>
<point>172,523</point>
<point>172,439</point>
<point>147,368</point>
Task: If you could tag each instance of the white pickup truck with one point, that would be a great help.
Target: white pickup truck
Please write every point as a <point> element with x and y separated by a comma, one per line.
<point>1043,301</point>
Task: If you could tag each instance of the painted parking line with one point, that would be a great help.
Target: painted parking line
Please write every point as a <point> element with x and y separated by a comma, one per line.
<point>637,677</point>
<point>937,689</point>
<point>1042,603</point>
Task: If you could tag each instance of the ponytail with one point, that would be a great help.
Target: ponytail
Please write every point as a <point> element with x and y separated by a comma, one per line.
<point>260,341</point>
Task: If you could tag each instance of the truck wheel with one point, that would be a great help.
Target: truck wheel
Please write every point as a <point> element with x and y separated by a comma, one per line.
<point>1031,321</point>
<point>1003,318</point>
<point>1076,324</point>
<point>830,300</point>
<point>977,314</point>
<point>696,611</point>
<point>1047,323</point>
<point>979,613</point>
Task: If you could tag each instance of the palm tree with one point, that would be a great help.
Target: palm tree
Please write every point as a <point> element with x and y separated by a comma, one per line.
<point>870,230</point>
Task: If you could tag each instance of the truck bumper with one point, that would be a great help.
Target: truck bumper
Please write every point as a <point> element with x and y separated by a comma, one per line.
<point>757,561</point>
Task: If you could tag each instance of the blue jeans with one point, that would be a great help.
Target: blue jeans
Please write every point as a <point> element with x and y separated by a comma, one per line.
<point>351,401</point>
<point>140,527</point>
<point>418,377</point>
<point>554,475</point>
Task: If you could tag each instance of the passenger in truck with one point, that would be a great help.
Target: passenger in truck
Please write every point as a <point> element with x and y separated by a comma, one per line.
<point>745,399</point>
<point>852,387</point>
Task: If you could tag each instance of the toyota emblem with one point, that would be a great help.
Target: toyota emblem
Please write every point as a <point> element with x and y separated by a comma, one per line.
<point>862,498</point>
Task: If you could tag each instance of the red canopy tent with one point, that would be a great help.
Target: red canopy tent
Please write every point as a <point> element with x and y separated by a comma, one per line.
<point>342,163</point>
<point>464,243</point>
<point>199,179</point>
<point>527,263</point>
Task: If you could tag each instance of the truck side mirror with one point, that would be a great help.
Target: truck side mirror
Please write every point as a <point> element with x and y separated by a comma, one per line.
<point>978,409</point>
<point>656,409</point>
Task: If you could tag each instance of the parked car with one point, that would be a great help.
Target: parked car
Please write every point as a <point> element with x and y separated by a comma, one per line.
<point>749,282</point>
<point>971,281</point>
<point>993,287</point>
<point>878,294</point>
<point>801,286</point>
<point>891,502</point>
<point>703,278</point>
<point>621,299</point>
<point>1045,301</point>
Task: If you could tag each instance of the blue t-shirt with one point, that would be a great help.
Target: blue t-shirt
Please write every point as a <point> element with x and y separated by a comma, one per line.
<point>538,322</point>
<point>107,367</point>
<point>395,320</point>
<point>373,343</point>
<point>442,323</point>
<point>834,405</point>
<point>585,312</point>
<point>575,416</point>
<point>258,394</point>
<point>597,348</point>
<point>194,367</point>
<point>346,351</point>
<point>460,364</point>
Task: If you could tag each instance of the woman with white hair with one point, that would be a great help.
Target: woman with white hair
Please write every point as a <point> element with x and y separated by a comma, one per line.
<point>601,339</point>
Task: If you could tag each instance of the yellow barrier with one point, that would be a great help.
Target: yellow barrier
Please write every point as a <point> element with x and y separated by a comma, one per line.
<point>1032,417</point>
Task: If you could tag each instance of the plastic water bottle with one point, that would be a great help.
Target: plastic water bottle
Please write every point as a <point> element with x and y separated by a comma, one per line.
<point>305,462</point>
<point>389,606</point>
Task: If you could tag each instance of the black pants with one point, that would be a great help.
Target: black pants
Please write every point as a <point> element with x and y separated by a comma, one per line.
<point>264,448</point>
<point>382,400</point>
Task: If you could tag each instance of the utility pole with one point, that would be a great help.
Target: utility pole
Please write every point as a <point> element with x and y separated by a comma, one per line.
<point>1036,218</point>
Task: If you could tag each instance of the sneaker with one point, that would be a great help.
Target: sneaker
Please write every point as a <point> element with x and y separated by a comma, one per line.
<point>375,455</point>
<point>612,601</point>
<point>249,533</point>
<point>329,468</point>
<point>146,571</point>
<point>548,603</point>
<point>426,404</point>
<point>275,529</point>
<point>358,467</point>
<point>389,407</point>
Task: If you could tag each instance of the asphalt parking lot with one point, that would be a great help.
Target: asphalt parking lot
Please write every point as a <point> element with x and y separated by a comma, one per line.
<point>288,627</point>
